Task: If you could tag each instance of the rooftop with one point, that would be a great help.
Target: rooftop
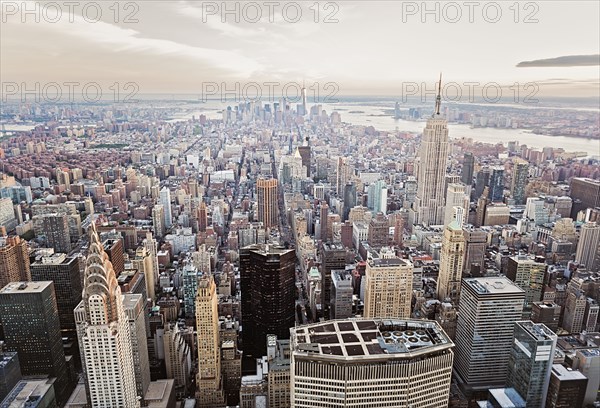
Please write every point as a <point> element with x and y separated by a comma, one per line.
<point>25,287</point>
<point>565,374</point>
<point>493,285</point>
<point>369,339</point>
<point>537,330</point>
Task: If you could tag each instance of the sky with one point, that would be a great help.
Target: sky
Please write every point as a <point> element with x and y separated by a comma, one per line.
<point>365,48</point>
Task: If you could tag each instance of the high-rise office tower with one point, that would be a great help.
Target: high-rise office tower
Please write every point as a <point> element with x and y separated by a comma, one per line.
<point>451,263</point>
<point>64,272</point>
<point>344,172</point>
<point>466,176</point>
<point>481,181</point>
<point>55,228</point>
<point>113,246</point>
<point>29,318</point>
<point>496,191</point>
<point>341,294</point>
<point>104,334</point>
<point>371,363</point>
<point>165,201</point>
<point>14,261</point>
<point>10,371</point>
<point>7,214</point>
<point>585,193</point>
<point>567,388</point>
<point>530,362</point>
<point>588,248</point>
<point>379,231</point>
<point>456,196</point>
<point>519,181</point>
<point>433,156</point>
<point>573,316</point>
<point>304,152</point>
<point>475,245</point>
<point>377,197</point>
<point>178,360</point>
<point>158,220</point>
<point>268,291</point>
<point>208,380</point>
<point>134,305</point>
<point>332,257</point>
<point>349,199</point>
<point>266,190</point>
<point>388,287</point>
<point>489,308</point>
<point>528,274</point>
<point>202,217</point>
<point>323,219</point>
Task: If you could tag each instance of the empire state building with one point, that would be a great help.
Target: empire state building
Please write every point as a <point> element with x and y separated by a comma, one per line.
<point>429,203</point>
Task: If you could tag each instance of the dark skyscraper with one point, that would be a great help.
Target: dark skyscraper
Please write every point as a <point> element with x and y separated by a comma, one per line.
<point>467,169</point>
<point>268,293</point>
<point>585,193</point>
<point>519,181</point>
<point>349,199</point>
<point>31,327</point>
<point>332,257</point>
<point>64,272</point>
<point>482,180</point>
<point>496,193</point>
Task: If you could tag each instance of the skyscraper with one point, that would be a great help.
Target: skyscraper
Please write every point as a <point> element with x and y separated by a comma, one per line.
<point>332,257</point>
<point>530,362</point>
<point>489,308</point>
<point>466,176</point>
<point>14,261</point>
<point>64,272</point>
<point>29,318</point>
<point>451,263</point>
<point>341,294</point>
<point>268,292</point>
<point>528,274</point>
<point>55,228</point>
<point>349,199</point>
<point>165,201</point>
<point>481,181</point>
<point>323,218</point>
<point>432,169</point>
<point>104,334</point>
<point>158,220</point>
<point>519,181</point>
<point>344,172</point>
<point>456,196</point>
<point>209,381</point>
<point>585,193</point>
<point>496,191</point>
<point>475,245</point>
<point>371,363</point>
<point>567,388</point>
<point>134,305</point>
<point>377,197</point>
<point>266,190</point>
<point>388,287</point>
<point>588,248</point>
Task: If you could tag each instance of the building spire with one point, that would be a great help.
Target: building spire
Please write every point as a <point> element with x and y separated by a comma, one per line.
<point>438,98</point>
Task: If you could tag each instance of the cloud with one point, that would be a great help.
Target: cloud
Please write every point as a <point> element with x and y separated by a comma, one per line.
<point>565,61</point>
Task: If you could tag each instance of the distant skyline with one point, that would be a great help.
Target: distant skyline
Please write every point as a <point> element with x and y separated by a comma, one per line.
<point>174,48</point>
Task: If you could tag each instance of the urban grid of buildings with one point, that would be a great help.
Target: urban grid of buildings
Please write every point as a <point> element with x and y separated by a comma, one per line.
<point>279,257</point>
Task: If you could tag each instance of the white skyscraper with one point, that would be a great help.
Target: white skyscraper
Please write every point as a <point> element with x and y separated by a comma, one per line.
<point>489,308</point>
<point>375,363</point>
<point>451,263</point>
<point>104,334</point>
<point>429,204</point>
<point>388,287</point>
<point>165,200</point>
<point>588,248</point>
<point>456,196</point>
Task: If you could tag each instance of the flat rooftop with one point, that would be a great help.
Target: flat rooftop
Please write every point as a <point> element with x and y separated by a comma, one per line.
<point>369,339</point>
<point>565,374</point>
<point>25,287</point>
<point>492,285</point>
<point>538,331</point>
